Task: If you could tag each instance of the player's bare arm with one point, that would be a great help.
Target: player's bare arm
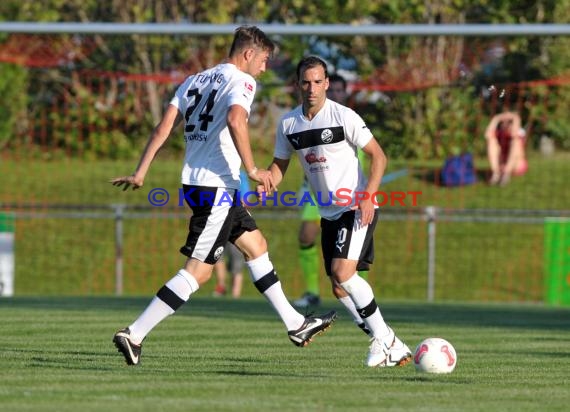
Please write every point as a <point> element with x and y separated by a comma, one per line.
<point>378,163</point>
<point>237,125</point>
<point>155,142</point>
<point>277,168</point>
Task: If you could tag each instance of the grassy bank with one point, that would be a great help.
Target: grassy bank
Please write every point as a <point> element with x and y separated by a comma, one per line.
<point>475,261</point>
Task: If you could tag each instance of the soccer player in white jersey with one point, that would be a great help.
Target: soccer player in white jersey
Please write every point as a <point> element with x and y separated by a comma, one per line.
<point>326,135</point>
<point>215,105</point>
<point>310,218</point>
<point>310,229</point>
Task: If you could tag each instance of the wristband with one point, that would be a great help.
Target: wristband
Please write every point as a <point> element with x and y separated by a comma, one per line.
<point>252,172</point>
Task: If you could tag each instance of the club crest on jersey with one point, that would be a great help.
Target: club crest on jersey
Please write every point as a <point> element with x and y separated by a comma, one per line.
<point>218,253</point>
<point>327,136</point>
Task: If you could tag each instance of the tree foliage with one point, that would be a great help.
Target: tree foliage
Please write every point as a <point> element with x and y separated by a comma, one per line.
<point>438,77</point>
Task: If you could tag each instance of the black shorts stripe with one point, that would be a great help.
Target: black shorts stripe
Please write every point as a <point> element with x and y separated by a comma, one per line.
<point>266,281</point>
<point>170,298</point>
<point>368,310</point>
<point>206,240</point>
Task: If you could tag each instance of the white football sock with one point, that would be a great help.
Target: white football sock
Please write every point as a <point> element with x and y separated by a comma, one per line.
<point>362,295</point>
<point>169,298</point>
<point>351,308</point>
<point>266,281</point>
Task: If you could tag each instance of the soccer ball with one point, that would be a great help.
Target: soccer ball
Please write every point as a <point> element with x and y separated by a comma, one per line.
<point>435,355</point>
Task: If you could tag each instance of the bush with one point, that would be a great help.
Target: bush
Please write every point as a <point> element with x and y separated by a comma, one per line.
<point>13,84</point>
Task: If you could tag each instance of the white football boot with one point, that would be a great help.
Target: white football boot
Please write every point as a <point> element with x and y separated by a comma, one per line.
<point>388,351</point>
<point>399,354</point>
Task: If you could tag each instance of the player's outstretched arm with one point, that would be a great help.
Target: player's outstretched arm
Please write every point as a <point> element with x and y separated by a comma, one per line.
<point>127,181</point>
<point>155,142</point>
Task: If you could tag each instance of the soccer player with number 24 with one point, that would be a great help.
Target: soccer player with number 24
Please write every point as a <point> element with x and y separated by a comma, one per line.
<point>215,105</point>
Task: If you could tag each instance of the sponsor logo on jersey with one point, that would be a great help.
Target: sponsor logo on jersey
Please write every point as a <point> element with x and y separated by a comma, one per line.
<point>318,168</point>
<point>311,158</point>
<point>249,86</point>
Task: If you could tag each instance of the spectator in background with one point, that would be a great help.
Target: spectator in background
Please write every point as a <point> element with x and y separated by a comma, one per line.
<point>505,147</point>
<point>233,262</point>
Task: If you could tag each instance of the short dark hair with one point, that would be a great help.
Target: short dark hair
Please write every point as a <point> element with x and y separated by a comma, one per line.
<point>308,63</point>
<point>337,78</point>
<point>249,37</point>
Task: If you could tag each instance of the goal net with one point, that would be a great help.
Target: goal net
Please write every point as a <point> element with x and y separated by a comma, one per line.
<point>77,110</point>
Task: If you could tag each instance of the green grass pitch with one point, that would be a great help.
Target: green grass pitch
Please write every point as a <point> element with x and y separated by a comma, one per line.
<point>224,355</point>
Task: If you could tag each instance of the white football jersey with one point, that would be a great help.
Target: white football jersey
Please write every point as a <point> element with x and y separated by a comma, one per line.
<point>327,150</point>
<point>204,99</point>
